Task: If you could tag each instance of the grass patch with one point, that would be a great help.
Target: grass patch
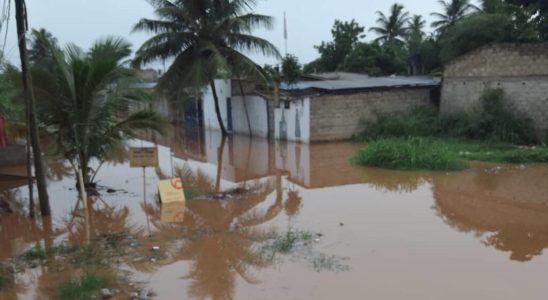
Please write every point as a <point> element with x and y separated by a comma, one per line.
<point>409,154</point>
<point>286,243</point>
<point>39,253</point>
<point>432,154</point>
<point>3,281</point>
<point>81,287</point>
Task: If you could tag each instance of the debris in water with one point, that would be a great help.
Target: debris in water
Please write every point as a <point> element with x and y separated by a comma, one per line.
<point>106,293</point>
<point>156,248</point>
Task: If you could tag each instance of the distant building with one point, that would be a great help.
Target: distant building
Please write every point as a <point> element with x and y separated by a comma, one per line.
<point>521,70</point>
<point>321,107</point>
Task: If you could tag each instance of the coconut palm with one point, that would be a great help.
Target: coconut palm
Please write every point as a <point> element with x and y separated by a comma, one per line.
<point>206,39</point>
<point>84,101</point>
<point>394,27</point>
<point>452,12</point>
<point>39,45</point>
<point>414,41</point>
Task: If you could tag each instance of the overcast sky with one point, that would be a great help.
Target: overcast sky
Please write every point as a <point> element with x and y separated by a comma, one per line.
<point>309,21</point>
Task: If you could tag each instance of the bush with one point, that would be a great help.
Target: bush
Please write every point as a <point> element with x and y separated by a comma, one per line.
<point>492,121</point>
<point>81,287</point>
<point>412,153</point>
<point>420,122</point>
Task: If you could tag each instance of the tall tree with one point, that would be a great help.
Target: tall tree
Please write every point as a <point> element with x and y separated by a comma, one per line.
<point>40,42</point>
<point>345,37</point>
<point>392,29</point>
<point>291,68</point>
<point>414,41</point>
<point>22,27</point>
<point>207,39</point>
<point>453,11</point>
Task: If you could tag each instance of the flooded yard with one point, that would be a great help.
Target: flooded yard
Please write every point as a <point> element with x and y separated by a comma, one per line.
<point>268,220</point>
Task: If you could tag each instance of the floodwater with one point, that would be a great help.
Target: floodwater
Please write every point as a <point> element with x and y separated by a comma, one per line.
<point>476,234</point>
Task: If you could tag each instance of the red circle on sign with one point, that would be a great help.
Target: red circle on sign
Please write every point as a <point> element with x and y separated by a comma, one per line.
<point>177,183</point>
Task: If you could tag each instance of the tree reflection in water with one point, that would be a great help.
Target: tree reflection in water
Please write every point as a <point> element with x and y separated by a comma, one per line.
<point>217,236</point>
<point>500,208</point>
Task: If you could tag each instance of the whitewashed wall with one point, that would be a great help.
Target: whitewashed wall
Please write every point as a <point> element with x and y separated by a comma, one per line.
<point>258,116</point>
<point>224,90</point>
<point>293,124</point>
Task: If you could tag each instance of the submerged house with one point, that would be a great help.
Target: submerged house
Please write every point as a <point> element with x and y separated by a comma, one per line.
<point>318,108</point>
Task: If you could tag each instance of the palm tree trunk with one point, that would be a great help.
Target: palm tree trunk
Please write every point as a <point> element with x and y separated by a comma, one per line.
<point>220,154</point>
<point>217,108</point>
<point>21,20</point>
<point>245,106</point>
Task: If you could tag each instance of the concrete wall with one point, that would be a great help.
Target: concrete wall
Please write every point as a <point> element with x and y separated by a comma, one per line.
<point>258,116</point>
<point>340,116</point>
<point>520,70</point>
<point>293,123</point>
<point>224,91</point>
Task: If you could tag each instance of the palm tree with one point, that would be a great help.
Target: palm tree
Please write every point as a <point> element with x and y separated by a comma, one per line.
<point>415,40</point>
<point>207,39</point>
<point>84,101</point>
<point>40,42</point>
<point>452,12</point>
<point>393,28</point>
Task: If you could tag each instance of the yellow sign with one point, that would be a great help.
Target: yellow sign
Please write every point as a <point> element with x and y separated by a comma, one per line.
<point>143,157</point>
<point>173,212</point>
<point>171,190</point>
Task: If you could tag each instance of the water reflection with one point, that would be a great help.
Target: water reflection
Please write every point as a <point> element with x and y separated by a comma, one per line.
<point>217,236</point>
<point>506,209</point>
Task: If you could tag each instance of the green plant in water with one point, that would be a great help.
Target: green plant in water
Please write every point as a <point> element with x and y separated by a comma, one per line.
<point>34,253</point>
<point>82,287</point>
<point>409,154</point>
<point>286,243</point>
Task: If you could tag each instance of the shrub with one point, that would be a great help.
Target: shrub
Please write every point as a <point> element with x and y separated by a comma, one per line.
<point>412,153</point>
<point>419,122</point>
<point>493,121</point>
<point>81,287</point>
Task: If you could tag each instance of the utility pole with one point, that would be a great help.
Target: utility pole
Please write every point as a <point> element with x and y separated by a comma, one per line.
<point>22,27</point>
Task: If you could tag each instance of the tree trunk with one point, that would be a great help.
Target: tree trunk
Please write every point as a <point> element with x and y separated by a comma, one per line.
<point>22,26</point>
<point>245,106</point>
<point>217,108</point>
<point>220,152</point>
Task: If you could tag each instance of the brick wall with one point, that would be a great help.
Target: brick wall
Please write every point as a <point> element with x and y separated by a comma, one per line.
<point>501,60</point>
<point>340,116</point>
<point>520,70</point>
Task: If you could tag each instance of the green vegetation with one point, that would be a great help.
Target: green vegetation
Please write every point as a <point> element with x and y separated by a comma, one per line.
<point>291,68</point>
<point>286,243</point>
<point>401,45</point>
<point>3,276</point>
<point>82,287</point>
<point>409,154</point>
<point>492,121</point>
<point>39,253</point>
<point>84,99</point>
<point>424,140</point>
<point>207,40</point>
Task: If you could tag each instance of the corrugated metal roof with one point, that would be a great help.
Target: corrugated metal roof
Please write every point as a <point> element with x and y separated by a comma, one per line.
<point>366,83</point>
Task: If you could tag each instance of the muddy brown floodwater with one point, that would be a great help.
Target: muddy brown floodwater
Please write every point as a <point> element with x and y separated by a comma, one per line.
<point>357,233</point>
